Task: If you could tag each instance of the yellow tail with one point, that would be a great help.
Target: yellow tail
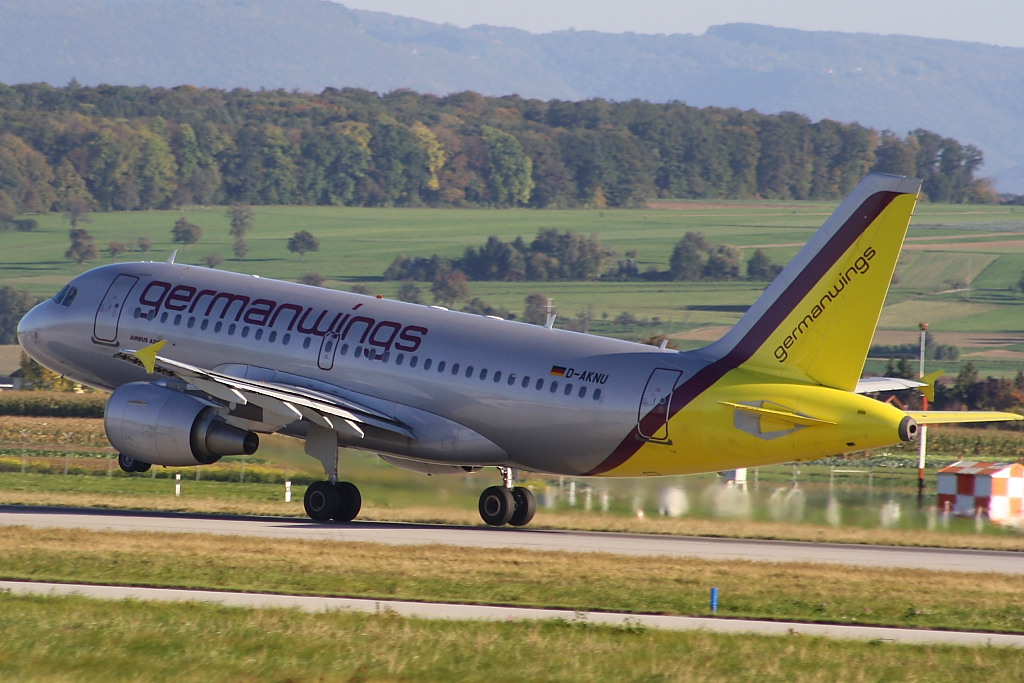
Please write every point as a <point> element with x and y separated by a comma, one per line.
<point>815,322</point>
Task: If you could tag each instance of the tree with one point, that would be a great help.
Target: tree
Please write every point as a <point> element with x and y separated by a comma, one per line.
<point>536,312</point>
<point>241,218</point>
<point>115,249</point>
<point>760,267</point>
<point>240,248</point>
<point>723,263</point>
<point>410,293</point>
<point>212,260</point>
<point>687,261</point>
<point>510,170</point>
<point>77,210</point>
<point>301,242</point>
<point>7,210</point>
<point>450,287</point>
<point>312,279</point>
<point>82,248</point>
<point>185,233</point>
<point>145,244</point>
<point>14,303</point>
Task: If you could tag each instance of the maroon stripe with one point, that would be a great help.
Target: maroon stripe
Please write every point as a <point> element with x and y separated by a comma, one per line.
<point>759,332</point>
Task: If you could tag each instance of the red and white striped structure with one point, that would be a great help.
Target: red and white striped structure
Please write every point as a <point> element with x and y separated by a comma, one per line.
<point>994,489</point>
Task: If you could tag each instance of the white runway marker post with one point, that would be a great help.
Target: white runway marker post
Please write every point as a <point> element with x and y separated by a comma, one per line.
<point>177,485</point>
<point>287,492</point>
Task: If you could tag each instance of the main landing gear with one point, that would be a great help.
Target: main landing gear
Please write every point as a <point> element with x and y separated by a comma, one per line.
<point>508,503</point>
<point>339,501</point>
<point>131,464</point>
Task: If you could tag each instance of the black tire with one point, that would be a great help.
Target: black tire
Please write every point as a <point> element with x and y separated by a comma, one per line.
<point>131,465</point>
<point>350,501</point>
<point>321,501</point>
<point>496,505</point>
<point>526,506</point>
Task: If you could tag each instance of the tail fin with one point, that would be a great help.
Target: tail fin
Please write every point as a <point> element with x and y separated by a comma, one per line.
<point>815,322</point>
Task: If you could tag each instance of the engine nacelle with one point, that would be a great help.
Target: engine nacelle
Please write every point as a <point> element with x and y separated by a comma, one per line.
<point>165,427</point>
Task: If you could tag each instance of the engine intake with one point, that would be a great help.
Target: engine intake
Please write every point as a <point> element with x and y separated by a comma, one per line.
<point>165,427</point>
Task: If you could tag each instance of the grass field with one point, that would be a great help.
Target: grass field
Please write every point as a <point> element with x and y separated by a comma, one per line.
<point>65,639</point>
<point>981,245</point>
<point>810,592</point>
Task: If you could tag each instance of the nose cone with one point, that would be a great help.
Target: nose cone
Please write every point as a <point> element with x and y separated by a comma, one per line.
<point>35,328</point>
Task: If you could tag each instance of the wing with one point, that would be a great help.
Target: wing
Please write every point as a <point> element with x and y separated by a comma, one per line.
<point>290,402</point>
<point>941,417</point>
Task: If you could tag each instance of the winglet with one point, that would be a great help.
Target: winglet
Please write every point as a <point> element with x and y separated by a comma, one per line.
<point>148,355</point>
<point>929,384</point>
<point>170,259</point>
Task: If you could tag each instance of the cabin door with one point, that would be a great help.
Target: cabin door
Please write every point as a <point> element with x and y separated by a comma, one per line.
<point>108,315</point>
<point>328,347</point>
<point>655,405</point>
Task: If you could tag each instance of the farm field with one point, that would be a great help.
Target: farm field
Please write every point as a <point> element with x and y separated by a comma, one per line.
<point>948,248</point>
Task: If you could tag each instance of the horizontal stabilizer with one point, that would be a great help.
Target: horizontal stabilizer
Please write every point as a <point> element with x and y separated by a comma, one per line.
<point>778,415</point>
<point>943,417</point>
<point>869,385</point>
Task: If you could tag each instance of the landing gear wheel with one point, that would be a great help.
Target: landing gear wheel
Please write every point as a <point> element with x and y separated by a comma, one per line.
<point>350,502</point>
<point>322,501</point>
<point>130,465</point>
<point>496,505</point>
<point>526,506</point>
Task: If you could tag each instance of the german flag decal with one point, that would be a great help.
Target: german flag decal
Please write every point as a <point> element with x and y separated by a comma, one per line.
<point>558,371</point>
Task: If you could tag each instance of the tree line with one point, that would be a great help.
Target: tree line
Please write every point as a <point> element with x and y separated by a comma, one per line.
<point>126,148</point>
<point>553,256</point>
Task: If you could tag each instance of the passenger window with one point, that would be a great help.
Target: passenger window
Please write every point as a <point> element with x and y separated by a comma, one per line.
<point>512,379</point>
<point>273,336</point>
<point>540,384</point>
<point>151,314</point>
<point>163,317</point>
<point>597,394</point>
<point>218,326</point>
<point>554,387</point>
<point>177,320</point>
<point>344,349</point>
<point>384,358</point>
<point>359,352</point>
<point>526,382</point>
<point>259,334</point>
<point>413,361</point>
<point>399,358</point>
<point>370,353</point>
<point>568,389</point>
<point>138,313</point>
<point>328,347</point>
<point>204,324</point>
<point>426,364</point>
<point>497,376</point>
<point>455,369</point>
<point>306,342</point>
<point>440,366</point>
<point>231,328</point>
<point>191,323</point>
<point>245,332</point>
<point>469,371</point>
<point>483,374</point>
<point>583,392</point>
<point>286,338</point>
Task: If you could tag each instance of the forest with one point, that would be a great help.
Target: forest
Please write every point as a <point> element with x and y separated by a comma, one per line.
<point>120,148</point>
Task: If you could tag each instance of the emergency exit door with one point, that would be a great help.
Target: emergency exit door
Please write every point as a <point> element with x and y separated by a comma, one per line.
<point>656,404</point>
<point>109,313</point>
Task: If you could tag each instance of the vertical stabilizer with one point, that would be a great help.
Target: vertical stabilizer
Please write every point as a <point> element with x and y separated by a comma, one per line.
<point>815,322</point>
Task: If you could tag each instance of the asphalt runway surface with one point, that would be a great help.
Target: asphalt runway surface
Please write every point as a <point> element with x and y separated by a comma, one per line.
<point>940,559</point>
<point>440,610</point>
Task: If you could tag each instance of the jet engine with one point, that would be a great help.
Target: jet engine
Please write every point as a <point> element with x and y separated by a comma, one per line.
<point>161,426</point>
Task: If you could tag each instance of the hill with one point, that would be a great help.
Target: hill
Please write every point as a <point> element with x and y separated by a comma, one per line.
<point>969,91</point>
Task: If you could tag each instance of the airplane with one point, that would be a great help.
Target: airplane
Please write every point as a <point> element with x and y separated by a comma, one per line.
<point>200,362</point>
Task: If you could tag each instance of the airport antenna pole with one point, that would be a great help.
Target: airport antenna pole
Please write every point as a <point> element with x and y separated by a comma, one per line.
<point>923,443</point>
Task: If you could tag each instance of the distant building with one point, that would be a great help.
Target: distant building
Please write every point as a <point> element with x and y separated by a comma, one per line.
<point>994,489</point>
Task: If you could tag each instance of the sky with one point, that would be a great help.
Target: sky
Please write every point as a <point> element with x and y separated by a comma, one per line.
<point>996,22</point>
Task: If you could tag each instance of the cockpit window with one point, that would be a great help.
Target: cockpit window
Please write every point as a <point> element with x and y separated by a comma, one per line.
<point>69,298</point>
<point>59,296</point>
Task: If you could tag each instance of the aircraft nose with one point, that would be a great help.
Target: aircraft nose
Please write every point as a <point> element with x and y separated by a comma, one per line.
<point>33,328</point>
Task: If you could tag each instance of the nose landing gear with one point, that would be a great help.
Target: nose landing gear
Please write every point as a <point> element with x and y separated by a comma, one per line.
<point>507,504</point>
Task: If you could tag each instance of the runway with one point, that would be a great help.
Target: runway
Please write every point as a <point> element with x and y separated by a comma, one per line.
<point>527,539</point>
<point>440,610</point>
